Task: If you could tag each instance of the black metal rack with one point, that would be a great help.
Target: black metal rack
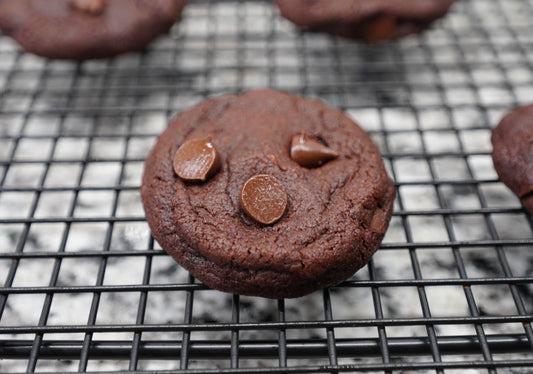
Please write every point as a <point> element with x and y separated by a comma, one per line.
<point>85,288</point>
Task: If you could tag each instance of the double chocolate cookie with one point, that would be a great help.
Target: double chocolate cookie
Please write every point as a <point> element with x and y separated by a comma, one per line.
<point>369,20</point>
<point>86,29</point>
<point>512,153</point>
<point>267,194</point>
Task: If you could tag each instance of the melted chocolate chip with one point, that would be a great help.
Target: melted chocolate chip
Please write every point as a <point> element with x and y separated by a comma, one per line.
<point>525,189</point>
<point>382,28</point>
<point>264,198</point>
<point>92,7</point>
<point>309,153</point>
<point>196,160</point>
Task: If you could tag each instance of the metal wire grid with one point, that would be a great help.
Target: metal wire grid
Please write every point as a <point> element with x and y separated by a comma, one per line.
<point>85,288</point>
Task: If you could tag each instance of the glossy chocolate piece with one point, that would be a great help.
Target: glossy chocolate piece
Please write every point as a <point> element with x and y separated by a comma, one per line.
<point>382,28</point>
<point>196,160</point>
<point>527,201</point>
<point>92,7</point>
<point>264,198</point>
<point>309,152</point>
<point>525,189</point>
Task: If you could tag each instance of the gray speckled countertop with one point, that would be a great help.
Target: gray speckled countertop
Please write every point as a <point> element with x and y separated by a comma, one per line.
<point>73,138</point>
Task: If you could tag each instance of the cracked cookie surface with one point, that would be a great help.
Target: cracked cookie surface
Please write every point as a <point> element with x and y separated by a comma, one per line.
<point>336,213</point>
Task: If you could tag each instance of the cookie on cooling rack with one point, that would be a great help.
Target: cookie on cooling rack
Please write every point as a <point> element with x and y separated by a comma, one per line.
<point>369,20</point>
<point>512,153</point>
<point>86,29</point>
<point>267,194</point>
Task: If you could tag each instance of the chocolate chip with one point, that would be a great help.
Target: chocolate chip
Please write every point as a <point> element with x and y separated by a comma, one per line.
<point>382,28</point>
<point>92,7</point>
<point>309,153</point>
<point>528,202</point>
<point>196,160</point>
<point>264,198</point>
<point>525,189</point>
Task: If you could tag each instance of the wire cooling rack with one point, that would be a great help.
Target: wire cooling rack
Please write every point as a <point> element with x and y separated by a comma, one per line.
<point>83,286</point>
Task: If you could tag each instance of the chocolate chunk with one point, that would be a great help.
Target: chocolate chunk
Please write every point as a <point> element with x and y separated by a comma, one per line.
<point>525,189</point>
<point>196,160</point>
<point>382,28</point>
<point>309,152</point>
<point>264,198</point>
<point>92,7</point>
<point>527,201</point>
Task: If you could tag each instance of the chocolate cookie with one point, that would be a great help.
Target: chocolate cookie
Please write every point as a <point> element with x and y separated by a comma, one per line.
<point>369,20</point>
<point>512,153</point>
<point>266,194</point>
<point>86,29</point>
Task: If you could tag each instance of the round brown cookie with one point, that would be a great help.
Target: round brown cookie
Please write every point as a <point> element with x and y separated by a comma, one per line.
<point>512,153</point>
<point>370,20</point>
<point>86,29</point>
<point>306,228</point>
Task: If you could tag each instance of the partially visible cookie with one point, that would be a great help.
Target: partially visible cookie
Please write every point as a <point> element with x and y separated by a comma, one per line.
<point>267,194</point>
<point>369,20</point>
<point>512,153</point>
<point>86,29</point>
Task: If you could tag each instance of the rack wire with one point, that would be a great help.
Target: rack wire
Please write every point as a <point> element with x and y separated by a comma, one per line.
<point>85,288</point>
